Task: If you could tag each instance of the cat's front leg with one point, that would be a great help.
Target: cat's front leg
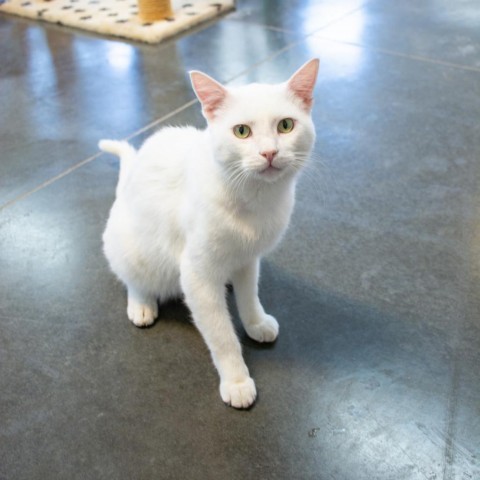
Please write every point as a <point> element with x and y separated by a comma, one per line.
<point>259,325</point>
<point>205,296</point>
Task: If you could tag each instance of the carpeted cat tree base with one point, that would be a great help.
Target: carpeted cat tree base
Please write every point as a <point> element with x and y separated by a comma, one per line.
<point>118,17</point>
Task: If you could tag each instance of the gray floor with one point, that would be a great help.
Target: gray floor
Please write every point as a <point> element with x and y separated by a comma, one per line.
<point>376,286</point>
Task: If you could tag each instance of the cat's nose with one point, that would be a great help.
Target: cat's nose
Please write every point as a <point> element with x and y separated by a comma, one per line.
<point>269,155</point>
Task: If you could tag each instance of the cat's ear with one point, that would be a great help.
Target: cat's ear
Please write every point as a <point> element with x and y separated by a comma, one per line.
<point>302,82</point>
<point>210,93</point>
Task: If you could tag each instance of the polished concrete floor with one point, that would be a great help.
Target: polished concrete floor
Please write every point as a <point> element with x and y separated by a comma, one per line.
<point>376,286</point>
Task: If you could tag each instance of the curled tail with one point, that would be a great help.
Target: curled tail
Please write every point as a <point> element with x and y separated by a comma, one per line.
<point>127,156</point>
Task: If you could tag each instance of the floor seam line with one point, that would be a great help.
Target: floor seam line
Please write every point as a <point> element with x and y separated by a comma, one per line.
<point>89,159</point>
<point>394,53</point>
<point>292,32</point>
<point>49,181</point>
<point>266,59</point>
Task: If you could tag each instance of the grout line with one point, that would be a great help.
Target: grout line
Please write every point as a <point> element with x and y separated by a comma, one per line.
<point>266,59</point>
<point>262,25</point>
<point>338,19</point>
<point>318,34</point>
<point>93,157</point>
<point>420,58</point>
<point>49,181</point>
<point>292,32</point>
<point>394,53</point>
<point>161,119</point>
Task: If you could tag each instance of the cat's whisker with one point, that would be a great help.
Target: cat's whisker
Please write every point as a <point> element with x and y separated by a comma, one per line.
<point>238,181</point>
<point>235,184</point>
<point>230,180</point>
<point>235,172</point>
<point>312,157</point>
<point>318,176</point>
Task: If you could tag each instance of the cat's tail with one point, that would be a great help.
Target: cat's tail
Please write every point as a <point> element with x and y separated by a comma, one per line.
<point>127,156</point>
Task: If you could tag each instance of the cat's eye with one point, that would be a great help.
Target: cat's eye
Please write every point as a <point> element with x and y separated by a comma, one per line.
<point>286,125</point>
<point>242,131</point>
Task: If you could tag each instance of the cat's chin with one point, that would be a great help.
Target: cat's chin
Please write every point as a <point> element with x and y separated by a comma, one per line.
<point>270,174</point>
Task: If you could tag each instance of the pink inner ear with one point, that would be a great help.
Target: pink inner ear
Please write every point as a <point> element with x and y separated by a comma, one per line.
<point>210,93</point>
<point>303,81</point>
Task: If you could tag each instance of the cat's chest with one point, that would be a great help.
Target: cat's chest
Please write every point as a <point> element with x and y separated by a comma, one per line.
<point>230,232</point>
<point>250,230</point>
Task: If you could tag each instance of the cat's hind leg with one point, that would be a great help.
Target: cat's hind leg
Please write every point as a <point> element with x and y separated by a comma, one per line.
<point>142,309</point>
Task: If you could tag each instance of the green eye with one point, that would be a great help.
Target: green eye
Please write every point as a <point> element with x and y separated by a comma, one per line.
<point>242,131</point>
<point>286,125</point>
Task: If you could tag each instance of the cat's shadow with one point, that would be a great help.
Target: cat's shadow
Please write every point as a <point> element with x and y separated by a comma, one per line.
<point>312,320</point>
<point>176,312</point>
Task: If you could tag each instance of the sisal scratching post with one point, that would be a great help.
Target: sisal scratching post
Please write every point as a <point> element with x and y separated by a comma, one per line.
<point>154,10</point>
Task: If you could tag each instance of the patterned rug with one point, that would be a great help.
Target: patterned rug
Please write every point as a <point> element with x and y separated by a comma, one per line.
<point>118,17</point>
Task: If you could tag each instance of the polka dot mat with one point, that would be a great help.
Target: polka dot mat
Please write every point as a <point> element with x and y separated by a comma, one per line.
<point>117,17</point>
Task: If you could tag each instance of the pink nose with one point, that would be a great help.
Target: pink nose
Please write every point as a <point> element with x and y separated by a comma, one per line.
<point>270,155</point>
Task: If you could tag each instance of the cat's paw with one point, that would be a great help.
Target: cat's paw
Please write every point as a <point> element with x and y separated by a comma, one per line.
<point>238,394</point>
<point>264,331</point>
<point>142,314</point>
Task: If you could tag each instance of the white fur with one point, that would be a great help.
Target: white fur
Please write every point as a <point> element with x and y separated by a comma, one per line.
<point>193,211</point>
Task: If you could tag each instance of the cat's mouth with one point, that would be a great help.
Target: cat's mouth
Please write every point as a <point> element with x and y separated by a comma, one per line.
<point>270,173</point>
<point>267,171</point>
<point>270,170</point>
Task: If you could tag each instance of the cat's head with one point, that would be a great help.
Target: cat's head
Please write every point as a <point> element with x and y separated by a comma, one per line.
<point>259,131</point>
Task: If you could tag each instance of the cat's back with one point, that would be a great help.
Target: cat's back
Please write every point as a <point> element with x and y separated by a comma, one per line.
<point>171,147</point>
<point>163,162</point>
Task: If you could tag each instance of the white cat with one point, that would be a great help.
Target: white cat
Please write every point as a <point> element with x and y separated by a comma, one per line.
<point>196,209</point>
